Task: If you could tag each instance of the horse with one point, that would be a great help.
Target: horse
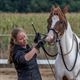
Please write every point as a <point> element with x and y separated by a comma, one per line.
<point>67,63</point>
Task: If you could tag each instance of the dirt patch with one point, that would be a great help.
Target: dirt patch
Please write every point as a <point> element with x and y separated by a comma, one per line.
<point>10,74</point>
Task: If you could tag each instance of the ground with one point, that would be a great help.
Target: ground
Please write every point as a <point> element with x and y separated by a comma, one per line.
<point>10,74</point>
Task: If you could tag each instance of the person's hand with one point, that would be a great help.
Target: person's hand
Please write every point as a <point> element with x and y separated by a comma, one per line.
<point>37,37</point>
<point>40,44</point>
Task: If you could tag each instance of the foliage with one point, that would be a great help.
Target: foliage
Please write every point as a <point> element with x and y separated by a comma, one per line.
<point>24,6</point>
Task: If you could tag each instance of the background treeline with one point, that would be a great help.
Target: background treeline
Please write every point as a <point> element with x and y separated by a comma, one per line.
<point>24,6</point>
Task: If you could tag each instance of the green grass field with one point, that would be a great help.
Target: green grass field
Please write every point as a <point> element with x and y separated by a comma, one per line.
<point>8,21</point>
<point>74,20</point>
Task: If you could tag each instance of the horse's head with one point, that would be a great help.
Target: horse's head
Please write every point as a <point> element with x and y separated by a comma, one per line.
<point>57,23</point>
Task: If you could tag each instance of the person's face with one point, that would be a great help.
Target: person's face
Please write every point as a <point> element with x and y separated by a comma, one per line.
<point>21,38</point>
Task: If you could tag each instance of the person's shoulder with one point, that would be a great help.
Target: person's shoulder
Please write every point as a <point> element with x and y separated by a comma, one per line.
<point>16,47</point>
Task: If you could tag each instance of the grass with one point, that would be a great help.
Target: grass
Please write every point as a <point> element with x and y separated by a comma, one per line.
<point>8,21</point>
<point>74,20</point>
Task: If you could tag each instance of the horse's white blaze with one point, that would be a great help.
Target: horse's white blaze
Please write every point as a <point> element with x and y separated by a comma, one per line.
<point>50,36</point>
<point>55,19</point>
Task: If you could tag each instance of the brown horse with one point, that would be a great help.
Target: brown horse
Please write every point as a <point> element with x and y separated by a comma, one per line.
<point>67,64</point>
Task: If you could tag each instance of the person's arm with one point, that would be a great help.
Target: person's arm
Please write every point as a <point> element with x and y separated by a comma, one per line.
<point>28,56</point>
<point>34,50</point>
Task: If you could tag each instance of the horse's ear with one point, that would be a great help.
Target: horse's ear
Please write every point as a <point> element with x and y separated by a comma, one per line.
<point>65,9</point>
<point>52,8</point>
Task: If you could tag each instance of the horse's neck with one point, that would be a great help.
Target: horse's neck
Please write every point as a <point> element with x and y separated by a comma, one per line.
<point>66,40</point>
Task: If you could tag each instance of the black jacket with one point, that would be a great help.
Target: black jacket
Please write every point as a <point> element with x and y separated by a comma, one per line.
<point>26,70</point>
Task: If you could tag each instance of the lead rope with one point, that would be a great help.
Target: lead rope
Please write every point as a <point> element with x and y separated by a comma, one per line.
<point>63,55</point>
<point>45,53</point>
<point>49,64</point>
<point>48,53</point>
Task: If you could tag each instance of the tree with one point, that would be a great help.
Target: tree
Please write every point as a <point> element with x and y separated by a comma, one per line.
<point>36,5</point>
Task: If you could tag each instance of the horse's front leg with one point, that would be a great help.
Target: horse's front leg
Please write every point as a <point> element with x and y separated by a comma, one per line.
<point>58,68</point>
<point>57,77</point>
<point>58,73</point>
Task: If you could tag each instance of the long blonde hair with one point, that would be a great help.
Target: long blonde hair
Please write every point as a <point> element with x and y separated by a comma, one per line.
<point>12,43</point>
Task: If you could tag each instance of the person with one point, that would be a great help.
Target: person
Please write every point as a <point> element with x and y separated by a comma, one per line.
<point>24,57</point>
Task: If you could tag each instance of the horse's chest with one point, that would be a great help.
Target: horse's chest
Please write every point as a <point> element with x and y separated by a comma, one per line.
<point>61,70</point>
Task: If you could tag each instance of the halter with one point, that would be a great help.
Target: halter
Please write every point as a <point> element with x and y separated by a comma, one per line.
<point>56,33</point>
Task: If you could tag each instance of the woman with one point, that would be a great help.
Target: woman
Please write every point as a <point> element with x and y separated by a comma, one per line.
<point>23,57</point>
